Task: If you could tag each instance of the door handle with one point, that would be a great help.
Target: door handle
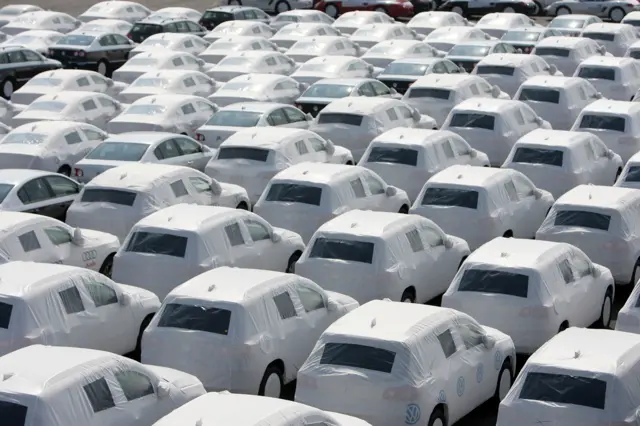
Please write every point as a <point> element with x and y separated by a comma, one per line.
<point>190,162</point>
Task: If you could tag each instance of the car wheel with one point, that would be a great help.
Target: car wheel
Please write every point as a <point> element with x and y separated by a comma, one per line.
<point>331,10</point>
<point>107,266</point>
<point>65,170</point>
<point>408,296</point>
<point>103,67</point>
<point>272,383</point>
<point>404,209</point>
<point>508,234</point>
<point>437,418</point>
<point>283,6</point>
<point>458,10</point>
<point>7,88</point>
<point>291,263</point>
<point>242,206</point>
<point>563,10</point>
<point>538,10</point>
<point>508,9</point>
<point>605,312</point>
<point>563,326</point>
<point>505,380</point>
<point>616,14</point>
<point>635,273</point>
<point>137,352</point>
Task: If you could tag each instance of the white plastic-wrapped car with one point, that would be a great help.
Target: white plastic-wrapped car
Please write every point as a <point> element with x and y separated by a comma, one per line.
<point>559,160</point>
<point>391,363</point>
<point>615,78</point>
<point>580,377</point>
<point>602,221</point>
<point>250,158</point>
<point>615,37</point>
<point>629,316</point>
<point>375,255</point>
<point>179,242</point>
<point>407,158</point>
<point>116,199</point>
<point>303,197</point>
<point>493,125</point>
<point>243,330</point>
<point>478,204</point>
<point>59,305</point>
<point>566,53</point>
<point>531,290</point>
<point>630,175</point>
<point>77,387</point>
<point>228,409</point>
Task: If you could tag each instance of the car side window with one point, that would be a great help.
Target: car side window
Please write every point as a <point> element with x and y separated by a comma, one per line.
<point>99,395</point>
<point>106,41</point>
<point>188,109</point>
<point>391,114</point>
<point>171,28</point>
<point>447,343</point>
<point>194,28</point>
<point>285,305</point>
<point>380,89</point>
<point>92,135</point>
<point>459,147</point>
<point>511,191</point>
<point>200,184</point>
<point>474,90</point>
<point>134,385</point>
<point>581,264</point>
<point>34,191</point>
<point>89,105</point>
<point>177,62</point>
<point>566,271</point>
<point>471,335</point>
<point>82,82</point>
<point>101,294</point>
<point>178,188</point>
<point>4,59</point>
<point>58,235</point>
<point>405,112</point>
<point>234,234</point>
<point>277,118</point>
<point>107,103</point>
<point>523,187</point>
<point>182,27</point>
<point>439,68</point>
<point>366,90</point>
<point>415,241</point>
<point>358,188</point>
<point>62,186</point>
<point>375,185</point>
<point>294,115</point>
<point>31,56</point>
<point>311,300</point>
<point>166,149</point>
<point>73,138</point>
<point>301,148</point>
<point>205,107</point>
<point>29,241</point>
<point>317,145</point>
<point>120,40</point>
<point>271,61</point>
<point>257,230</point>
<point>71,300</point>
<point>16,57</point>
<point>187,147</point>
<point>189,82</point>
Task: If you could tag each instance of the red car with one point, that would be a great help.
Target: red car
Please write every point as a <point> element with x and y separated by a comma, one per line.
<point>393,8</point>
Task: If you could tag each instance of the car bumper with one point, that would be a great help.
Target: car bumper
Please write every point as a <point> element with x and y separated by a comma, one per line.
<point>80,65</point>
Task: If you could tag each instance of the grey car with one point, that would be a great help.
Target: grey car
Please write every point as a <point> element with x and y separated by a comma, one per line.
<point>614,10</point>
<point>142,147</point>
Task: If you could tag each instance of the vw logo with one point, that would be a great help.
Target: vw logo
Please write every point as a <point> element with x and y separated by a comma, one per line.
<point>412,416</point>
<point>315,108</point>
<point>89,255</point>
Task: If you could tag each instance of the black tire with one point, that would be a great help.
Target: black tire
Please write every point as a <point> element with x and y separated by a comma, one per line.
<point>438,414</point>
<point>461,262</point>
<point>563,326</point>
<point>563,8</point>
<point>506,369</point>
<point>608,300</point>
<point>281,2</point>
<point>271,370</point>
<point>242,206</point>
<point>540,9</point>
<point>332,6</point>
<point>615,9</point>
<point>349,163</point>
<point>408,294</point>
<point>633,274</point>
<point>618,173</point>
<point>107,266</point>
<point>4,83</point>
<point>508,234</point>
<point>291,264</point>
<point>103,63</point>
<point>137,352</point>
<point>65,170</point>
<point>404,209</point>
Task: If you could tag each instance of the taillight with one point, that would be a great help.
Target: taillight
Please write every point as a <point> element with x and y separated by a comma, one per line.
<point>403,393</point>
<point>81,53</point>
<point>199,137</point>
<point>130,36</point>
<point>78,172</point>
<point>534,312</point>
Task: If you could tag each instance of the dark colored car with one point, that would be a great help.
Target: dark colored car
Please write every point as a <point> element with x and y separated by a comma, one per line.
<point>101,52</point>
<point>18,65</point>
<point>469,9</point>
<point>211,18</point>
<point>144,29</point>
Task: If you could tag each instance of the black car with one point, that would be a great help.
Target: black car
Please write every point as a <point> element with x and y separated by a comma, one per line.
<point>469,9</point>
<point>144,29</point>
<point>211,18</point>
<point>18,65</point>
<point>101,52</point>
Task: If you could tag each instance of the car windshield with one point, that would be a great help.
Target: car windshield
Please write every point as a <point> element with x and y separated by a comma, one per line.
<point>5,189</point>
<point>550,157</point>
<point>50,106</point>
<point>634,22</point>
<point>469,50</point>
<point>400,68</point>
<point>582,219</point>
<point>473,120</point>
<point>427,92</point>
<point>111,196</point>
<point>494,282</point>
<point>450,197</point>
<point>346,250</point>
<point>157,243</point>
<point>118,151</point>
<point>358,356</point>
<point>231,29</point>
<point>551,96</point>
<point>552,51</point>
<point>146,109</point>
<point>155,42</point>
<point>311,46</point>
<point>328,91</point>
<point>600,36</point>
<point>13,414</point>
<point>22,39</point>
<point>338,118</point>
<point>44,81</point>
<point>286,18</point>
<point>521,36</point>
<point>150,82</point>
<point>635,54</point>
<point>564,389</point>
<point>146,29</point>
<point>294,193</point>
<point>235,61</point>
<point>604,122</point>
<point>24,138</point>
<point>495,69</point>
<point>196,318</point>
<point>600,73</point>
<point>385,49</point>
<point>10,11</point>
<point>573,24</point>
<point>239,86</point>
<point>291,30</point>
<point>141,62</point>
<point>234,118</point>
<point>404,156</point>
<point>243,153</point>
<point>633,174</point>
<point>76,40</point>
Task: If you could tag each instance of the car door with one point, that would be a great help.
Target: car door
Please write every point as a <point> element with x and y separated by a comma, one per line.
<point>37,197</point>
<point>377,197</point>
<point>93,114</point>
<point>532,208</point>
<point>264,252</point>
<point>454,372</point>
<point>23,71</point>
<point>304,151</point>
<point>64,192</point>
<point>59,239</point>
<point>296,118</point>
<point>444,264</point>
<point>167,152</point>
<point>294,331</point>
<point>192,153</point>
<point>601,168</point>
<point>517,210</point>
<point>141,404</point>
<point>320,148</point>
<point>575,307</point>
<point>201,189</point>
<point>461,150</point>
<point>277,117</point>
<point>36,63</point>
<point>585,284</point>
<point>77,146</point>
<point>196,29</point>
<point>122,47</point>
<point>189,120</point>
<point>107,48</point>
<point>239,254</point>
<point>35,247</point>
<point>79,325</point>
<point>314,303</point>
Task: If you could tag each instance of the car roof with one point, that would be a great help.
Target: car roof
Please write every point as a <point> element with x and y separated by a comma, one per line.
<point>265,137</point>
<point>232,284</point>
<point>598,196</point>
<point>573,16</point>
<point>563,41</point>
<point>17,176</point>
<point>12,48</point>
<point>158,19</point>
<point>513,59</point>
<point>413,136</point>
<point>344,81</point>
<point>170,74</point>
<point>253,54</point>
<point>607,27</point>
<point>422,61</point>
<point>189,217</point>
<point>359,105</point>
<point>231,8</point>
<point>20,279</point>
<point>257,79</point>
<point>166,98</point>
<point>448,81</point>
<point>331,59</point>
<point>554,138</point>
<point>48,127</point>
<point>88,33</point>
<point>517,253</point>
<point>241,39</point>
<point>470,176</point>
<point>608,106</point>
<point>159,54</point>
<point>399,42</point>
<point>67,96</point>
<point>589,350</point>
<point>528,30</point>
<point>488,105</point>
<point>10,220</point>
<point>256,107</point>
<point>318,173</point>
<point>147,138</point>
<point>555,81</point>
<point>300,12</point>
<point>169,36</point>
<point>67,73</point>
<point>391,321</point>
<point>367,223</point>
<point>305,25</point>
<point>607,61</point>
<point>480,42</point>
<point>136,176</point>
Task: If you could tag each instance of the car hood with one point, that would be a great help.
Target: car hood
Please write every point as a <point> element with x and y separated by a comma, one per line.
<point>94,238</point>
<point>25,96</point>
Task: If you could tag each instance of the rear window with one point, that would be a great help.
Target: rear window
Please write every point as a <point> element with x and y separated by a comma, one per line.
<point>5,316</point>
<point>156,243</point>
<point>358,356</point>
<point>450,197</point>
<point>12,414</point>
<point>494,69</point>
<point>597,72</point>
<point>583,219</point>
<point>198,318</point>
<point>496,282</point>
<point>564,389</point>
<point>600,36</point>
<point>293,193</point>
<point>473,120</point>
<point>633,175</point>
<point>605,122</point>
<point>552,51</point>
<point>427,92</point>
<point>408,157</point>
<point>550,157</point>
<point>146,29</point>
<point>112,196</point>
<point>118,151</point>
<point>76,40</point>
<point>351,251</point>
<point>218,17</point>
<point>540,95</point>
<point>234,153</point>
<point>336,118</point>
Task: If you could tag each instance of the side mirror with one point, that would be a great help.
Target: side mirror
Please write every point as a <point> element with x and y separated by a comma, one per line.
<point>539,121</point>
<point>332,305</point>
<point>371,69</point>
<point>164,390</point>
<point>473,153</point>
<point>416,115</point>
<point>77,237</point>
<point>276,238</point>
<point>309,117</point>
<point>393,91</point>
<point>537,194</point>
<point>598,95</point>
<point>495,91</point>
<point>125,299</point>
<point>488,341</point>
<point>610,154</point>
<point>448,244</point>
<point>302,87</point>
<point>215,188</point>
<point>391,191</point>
<point>330,147</point>
<point>110,82</point>
<point>201,62</point>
